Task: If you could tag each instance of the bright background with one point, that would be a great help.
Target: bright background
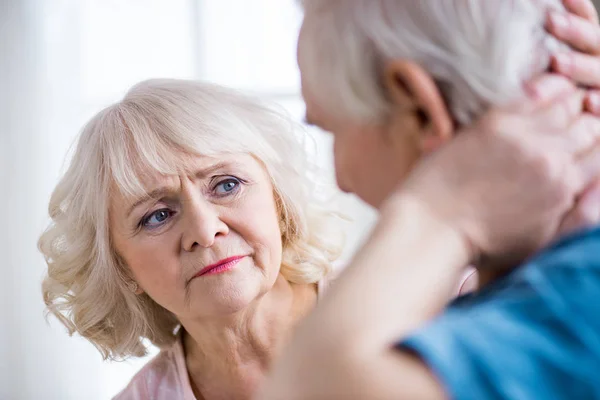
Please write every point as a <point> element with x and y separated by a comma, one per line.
<point>60,62</point>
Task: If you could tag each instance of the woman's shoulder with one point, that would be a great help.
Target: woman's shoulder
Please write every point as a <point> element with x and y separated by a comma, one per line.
<point>164,377</point>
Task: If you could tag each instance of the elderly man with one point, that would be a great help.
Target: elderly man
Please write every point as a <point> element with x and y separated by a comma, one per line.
<point>398,79</point>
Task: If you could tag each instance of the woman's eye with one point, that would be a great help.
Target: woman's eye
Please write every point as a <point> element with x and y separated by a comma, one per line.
<point>157,218</point>
<point>227,186</point>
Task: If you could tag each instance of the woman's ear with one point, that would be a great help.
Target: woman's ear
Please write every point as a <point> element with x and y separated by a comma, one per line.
<point>410,88</point>
<point>134,287</point>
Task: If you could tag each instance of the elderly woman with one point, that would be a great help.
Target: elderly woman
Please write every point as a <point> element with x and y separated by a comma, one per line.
<point>394,81</point>
<point>186,219</point>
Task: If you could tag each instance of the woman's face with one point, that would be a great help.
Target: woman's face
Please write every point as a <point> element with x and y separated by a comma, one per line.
<point>202,245</point>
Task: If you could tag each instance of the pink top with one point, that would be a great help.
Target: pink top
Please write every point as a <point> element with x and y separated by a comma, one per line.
<point>166,375</point>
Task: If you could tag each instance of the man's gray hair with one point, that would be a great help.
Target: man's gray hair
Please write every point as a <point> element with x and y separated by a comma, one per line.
<point>480,52</point>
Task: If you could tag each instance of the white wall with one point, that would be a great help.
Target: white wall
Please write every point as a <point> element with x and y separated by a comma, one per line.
<point>19,77</point>
<point>32,352</point>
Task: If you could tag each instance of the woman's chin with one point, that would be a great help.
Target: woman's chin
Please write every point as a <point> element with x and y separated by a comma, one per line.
<point>228,299</point>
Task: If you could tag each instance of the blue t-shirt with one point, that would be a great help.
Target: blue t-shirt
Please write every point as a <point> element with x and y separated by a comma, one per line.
<point>534,334</point>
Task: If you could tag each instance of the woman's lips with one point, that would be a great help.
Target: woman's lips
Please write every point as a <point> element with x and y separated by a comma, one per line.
<point>220,267</point>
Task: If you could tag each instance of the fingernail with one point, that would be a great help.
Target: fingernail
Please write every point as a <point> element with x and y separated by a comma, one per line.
<point>559,21</point>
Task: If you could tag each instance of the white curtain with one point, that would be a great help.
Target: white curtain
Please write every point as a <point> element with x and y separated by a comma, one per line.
<point>61,61</point>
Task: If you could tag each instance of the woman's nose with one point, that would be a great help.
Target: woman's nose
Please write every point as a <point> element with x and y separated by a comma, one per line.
<point>203,223</point>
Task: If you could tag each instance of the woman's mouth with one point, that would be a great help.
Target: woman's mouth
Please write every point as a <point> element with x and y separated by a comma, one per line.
<point>219,267</point>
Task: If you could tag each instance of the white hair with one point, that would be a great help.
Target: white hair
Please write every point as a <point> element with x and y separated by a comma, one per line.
<point>479,52</point>
<point>151,130</point>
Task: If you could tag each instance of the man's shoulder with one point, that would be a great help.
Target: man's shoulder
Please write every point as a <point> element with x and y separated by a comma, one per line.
<point>589,237</point>
<point>536,328</point>
<point>581,249</point>
<point>568,271</point>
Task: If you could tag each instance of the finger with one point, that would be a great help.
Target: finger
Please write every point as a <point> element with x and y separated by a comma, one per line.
<point>586,212</point>
<point>544,89</point>
<point>582,8</point>
<point>589,167</point>
<point>577,32</point>
<point>583,136</point>
<point>562,113</point>
<point>592,102</point>
<point>582,68</point>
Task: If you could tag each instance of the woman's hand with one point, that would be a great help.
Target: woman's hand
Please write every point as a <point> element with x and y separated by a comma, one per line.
<point>579,28</point>
<point>528,163</point>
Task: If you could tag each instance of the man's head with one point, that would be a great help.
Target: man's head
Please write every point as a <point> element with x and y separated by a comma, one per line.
<point>392,79</point>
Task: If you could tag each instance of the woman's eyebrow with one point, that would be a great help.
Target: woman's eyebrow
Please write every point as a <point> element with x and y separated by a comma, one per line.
<point>152,195</point>
<point>204,172</point>
<point>165,191</point>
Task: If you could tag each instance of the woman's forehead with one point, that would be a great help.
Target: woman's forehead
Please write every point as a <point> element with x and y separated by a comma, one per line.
<point>201,167</point>
<point>196,166</point>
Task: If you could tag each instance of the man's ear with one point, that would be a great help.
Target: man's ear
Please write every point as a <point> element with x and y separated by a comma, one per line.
<point>410,88</point>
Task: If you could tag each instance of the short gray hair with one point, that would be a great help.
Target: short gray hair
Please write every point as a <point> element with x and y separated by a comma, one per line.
<point>480,52</point>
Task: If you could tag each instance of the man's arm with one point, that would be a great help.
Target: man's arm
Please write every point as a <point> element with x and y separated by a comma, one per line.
<point>344,360</point>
